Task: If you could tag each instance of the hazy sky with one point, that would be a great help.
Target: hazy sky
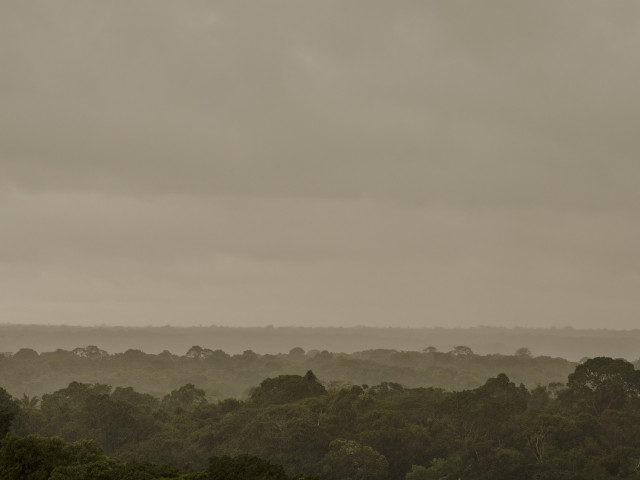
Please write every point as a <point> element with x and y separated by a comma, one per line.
<point>405,163</point>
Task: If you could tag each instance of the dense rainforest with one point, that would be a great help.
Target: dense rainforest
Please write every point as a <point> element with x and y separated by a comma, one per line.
<point>222,375</point>
<point>587,427</point>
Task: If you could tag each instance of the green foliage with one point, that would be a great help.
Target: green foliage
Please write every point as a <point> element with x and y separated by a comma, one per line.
<point>185,398</point>
<point>35,458</point>
<point>129,395</point>
<point>499,430</point>
<point>246,467</point>
<point>286,389</point>
<point>418,472</point>
<point>603,383</point>
<point>222,375</point>
<point>111,469</point>
<point>29,402</point>
<point>8,410</point>
<point>506,464</point>
<point>283,433</point>
<point>349,460</point>
<point>25,355</point>
<point>439,469</point>
<point>44,458</point>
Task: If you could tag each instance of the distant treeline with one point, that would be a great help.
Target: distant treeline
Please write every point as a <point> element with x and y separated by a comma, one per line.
<point>586,428</point>
<point>573,344</point>
<point>222,375</point>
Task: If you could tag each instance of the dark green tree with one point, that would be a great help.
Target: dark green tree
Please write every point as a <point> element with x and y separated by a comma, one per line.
<point>8,410</point>
<point>348,459</point>
<point>602,383</point>
<point>185,398</point>
<point>35,458</point>
<point>245,467</point>
<point>287,389</point>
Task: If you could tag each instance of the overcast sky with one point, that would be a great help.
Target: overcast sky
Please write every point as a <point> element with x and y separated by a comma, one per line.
<point>403,163</point>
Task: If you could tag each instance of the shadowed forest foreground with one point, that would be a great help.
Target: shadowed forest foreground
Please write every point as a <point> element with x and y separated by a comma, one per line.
<point>586,428</point>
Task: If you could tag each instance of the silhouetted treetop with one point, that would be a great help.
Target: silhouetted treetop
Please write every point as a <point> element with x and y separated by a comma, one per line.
<point>287,388</point>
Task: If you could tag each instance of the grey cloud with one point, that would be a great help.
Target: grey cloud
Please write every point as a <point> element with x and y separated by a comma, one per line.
<point>191,260</point>
<point>460,102</point>
<point>290,162</point>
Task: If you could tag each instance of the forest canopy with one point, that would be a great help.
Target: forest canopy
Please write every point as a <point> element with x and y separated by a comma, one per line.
<point>222,375</point>
<point>291,425</point>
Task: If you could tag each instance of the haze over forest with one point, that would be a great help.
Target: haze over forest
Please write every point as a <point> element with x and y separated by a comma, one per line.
<point>566,343</point>
<point>407,164</point>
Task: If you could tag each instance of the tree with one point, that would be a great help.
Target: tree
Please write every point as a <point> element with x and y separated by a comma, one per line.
<point>198,353</point>
<point>185,398</point>
<point>296,353</point>
<point>90,352</point>
<point>26,354</point>
<point>347,459</point>
<point>111,469</point>
<point>129,395</point>
<point>111,423</point>
<point>8,410</point>
<point>43,458</point>
<point>286,434</point>
<point>62,408</point>
<point>245,467</point>
<point>287,389</point>
<point>439,469</point>
<point>462,351</point>
<point>35,457</point>
<point>388,432</point>
<point>602,382</point>
<point>418,472</point>
<point>29,402</point>
<point>523,352</point>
